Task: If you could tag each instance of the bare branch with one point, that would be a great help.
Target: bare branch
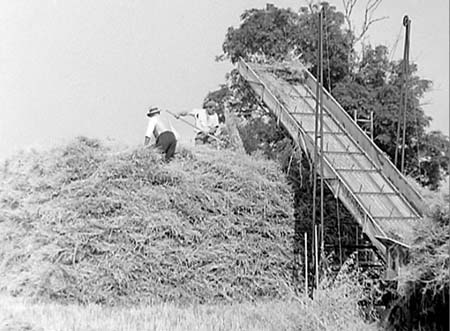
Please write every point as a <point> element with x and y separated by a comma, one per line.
<point>311,4</point>
<point>348,8</point>
<point>372,5</point>
<point>366,26</point>
<point>369,11</point>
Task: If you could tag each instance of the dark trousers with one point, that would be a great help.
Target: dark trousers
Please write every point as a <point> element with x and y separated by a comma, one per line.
<point>203,138</point>
<point>167,143</point>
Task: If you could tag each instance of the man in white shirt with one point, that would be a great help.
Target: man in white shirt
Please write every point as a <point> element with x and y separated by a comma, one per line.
<point>206,121</point>
<point>166,140</point>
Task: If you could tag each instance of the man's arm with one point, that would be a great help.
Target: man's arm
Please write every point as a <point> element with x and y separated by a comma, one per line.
<point>213,130</point>
<point>185,113</point>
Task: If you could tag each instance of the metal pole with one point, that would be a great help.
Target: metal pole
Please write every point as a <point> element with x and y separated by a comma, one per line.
<point>306,263</point>
<point>316,253</point>
<point>357,252</point>
<point>339,230</point>
<point>322,226</point>
<point>316,138</point>
<point>403,97</point>
<point>397,140</point>
<point>371,125</point>
<point>407,24</point>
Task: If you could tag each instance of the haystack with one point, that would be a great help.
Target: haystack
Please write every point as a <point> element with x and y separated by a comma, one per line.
<point>91,223</point>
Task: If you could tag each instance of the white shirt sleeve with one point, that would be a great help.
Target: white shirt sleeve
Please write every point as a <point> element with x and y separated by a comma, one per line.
<point>200,118</point>
<point>194,112</point>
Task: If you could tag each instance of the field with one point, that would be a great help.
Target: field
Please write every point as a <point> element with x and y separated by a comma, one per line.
<point>19,315</point>
<point>333,309</point>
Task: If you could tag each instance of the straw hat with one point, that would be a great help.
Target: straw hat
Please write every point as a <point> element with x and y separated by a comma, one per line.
<point>153,111</point>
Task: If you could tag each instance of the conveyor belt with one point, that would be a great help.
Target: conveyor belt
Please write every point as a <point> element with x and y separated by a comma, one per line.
<point>355,169</point>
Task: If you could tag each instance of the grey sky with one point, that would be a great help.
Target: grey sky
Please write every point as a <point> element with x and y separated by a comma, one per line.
<point>92,68</point>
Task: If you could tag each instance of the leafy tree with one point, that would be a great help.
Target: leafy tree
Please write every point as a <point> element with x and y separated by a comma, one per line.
<point>269,32</point>
<point>376,86</point>
<point>337,42</point>
<point>434,158</point>
<point>276,34</point>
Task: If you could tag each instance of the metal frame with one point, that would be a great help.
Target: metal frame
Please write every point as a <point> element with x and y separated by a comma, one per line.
<point>332,176</point>
<point>373,151</point>
<point>339,187</point>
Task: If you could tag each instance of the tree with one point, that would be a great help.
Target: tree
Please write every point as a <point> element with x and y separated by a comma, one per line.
<point>275,34</point>
<point>337,42</point>
<point>434,158</point>
<point>269,32</point>
<point>375,86</point>
<point>369,19</point>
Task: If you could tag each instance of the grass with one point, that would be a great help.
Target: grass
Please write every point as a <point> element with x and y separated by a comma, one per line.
<point>333,309</point>
<point>245,316</point>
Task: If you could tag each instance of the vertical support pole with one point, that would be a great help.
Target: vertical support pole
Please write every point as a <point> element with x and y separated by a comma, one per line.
<point>316,253</point>
<point>318,157</point>
<point>403,97</point>
<point>357,250</point>
<point>371,125</point>
<point>306,263</point>
<point>407,24</point>
<point>315,159</point>
<point>338,216</point>
<point>322,225</point>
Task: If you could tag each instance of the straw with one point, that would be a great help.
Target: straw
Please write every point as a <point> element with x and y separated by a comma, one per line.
<point>93,223</point>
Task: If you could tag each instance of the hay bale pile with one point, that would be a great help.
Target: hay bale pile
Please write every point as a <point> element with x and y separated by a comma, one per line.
<point>90,223</point>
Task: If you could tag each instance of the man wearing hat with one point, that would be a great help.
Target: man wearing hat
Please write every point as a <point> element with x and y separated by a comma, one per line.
<point>206,121</point>
<point>165,137</point>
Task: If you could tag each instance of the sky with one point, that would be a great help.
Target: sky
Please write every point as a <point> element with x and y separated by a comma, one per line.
<point>92,68</point>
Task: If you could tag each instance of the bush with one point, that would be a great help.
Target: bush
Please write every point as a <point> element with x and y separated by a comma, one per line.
<point>423,285</point>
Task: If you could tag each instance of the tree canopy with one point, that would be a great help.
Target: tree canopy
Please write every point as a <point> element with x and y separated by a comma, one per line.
<point>376,86</point>
<point>368,83</point>
<point>276,34</point>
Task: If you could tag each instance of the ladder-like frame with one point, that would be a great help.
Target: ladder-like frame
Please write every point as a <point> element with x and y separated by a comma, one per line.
<point>292,113</point>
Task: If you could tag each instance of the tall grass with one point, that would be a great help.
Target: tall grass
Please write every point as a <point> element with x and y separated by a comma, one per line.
<point>332,309</point>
